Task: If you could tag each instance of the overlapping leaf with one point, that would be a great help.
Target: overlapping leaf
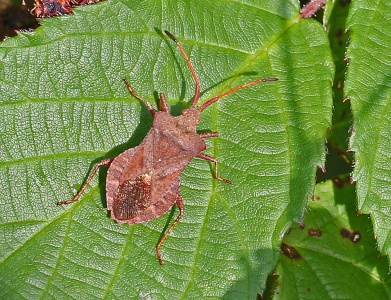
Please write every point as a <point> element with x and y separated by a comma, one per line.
<point>368,87</point>
<point>335,251</point>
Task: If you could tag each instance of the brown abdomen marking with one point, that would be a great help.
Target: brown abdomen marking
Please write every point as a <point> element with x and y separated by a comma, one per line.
<point>132,197</point>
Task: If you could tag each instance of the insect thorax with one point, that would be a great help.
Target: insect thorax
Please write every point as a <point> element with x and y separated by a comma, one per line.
<point>181,129</point>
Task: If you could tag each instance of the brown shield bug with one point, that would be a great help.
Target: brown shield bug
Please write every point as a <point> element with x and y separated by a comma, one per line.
<point>143,182</point>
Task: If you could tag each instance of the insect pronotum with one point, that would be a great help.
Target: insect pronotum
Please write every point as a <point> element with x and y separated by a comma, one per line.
<point>143,182</point>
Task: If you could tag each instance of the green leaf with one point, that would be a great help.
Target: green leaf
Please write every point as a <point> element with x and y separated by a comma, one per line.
<point>65,107</point>
<point>336,251</point>
<point>368,87</point>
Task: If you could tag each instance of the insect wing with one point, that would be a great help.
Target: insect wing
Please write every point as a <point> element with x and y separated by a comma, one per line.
<point>135,192</point>
<point>127,170</point>
<point>138,204</point>
<point>132,197</point>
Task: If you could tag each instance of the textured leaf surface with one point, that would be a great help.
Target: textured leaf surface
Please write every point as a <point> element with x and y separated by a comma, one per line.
<point>368,86</point>
<point>337,251</point>
<point>65,107</point>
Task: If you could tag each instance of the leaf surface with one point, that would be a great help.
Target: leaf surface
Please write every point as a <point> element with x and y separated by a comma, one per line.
<point>65,107</point>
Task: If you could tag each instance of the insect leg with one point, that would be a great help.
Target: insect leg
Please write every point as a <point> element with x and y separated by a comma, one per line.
<point>135,95</point>
<point>105,162</point>
<point>193,73</point>
<point>163,106</point>
<point>206,135</point>
<point>181,206</point>
<point>214,160</point>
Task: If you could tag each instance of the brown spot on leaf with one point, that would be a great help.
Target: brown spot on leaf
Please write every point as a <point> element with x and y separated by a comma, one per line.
<point>345,233</point>
<point>338,182</point>
<point>314,232</point>
<point>354,236</point>
<point>290,251</point>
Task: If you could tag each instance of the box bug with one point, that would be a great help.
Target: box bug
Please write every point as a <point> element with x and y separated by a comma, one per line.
<point>142,183</point>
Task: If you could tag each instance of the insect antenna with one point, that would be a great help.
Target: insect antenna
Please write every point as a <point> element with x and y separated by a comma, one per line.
<point>197,84</point>
<point>193,73</point>
<point>235,89</point>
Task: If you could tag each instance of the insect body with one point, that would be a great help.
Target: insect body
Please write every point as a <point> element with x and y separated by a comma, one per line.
<point>143,182</point>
